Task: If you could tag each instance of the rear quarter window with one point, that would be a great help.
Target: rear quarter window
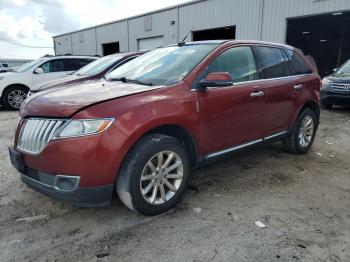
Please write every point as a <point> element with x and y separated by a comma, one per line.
<point>297,64</point>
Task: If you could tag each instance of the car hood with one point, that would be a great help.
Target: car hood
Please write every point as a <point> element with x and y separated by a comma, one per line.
<point>58,82</point>
<point>8,74</point>
<point>64,102</point>
<point>339,79</point>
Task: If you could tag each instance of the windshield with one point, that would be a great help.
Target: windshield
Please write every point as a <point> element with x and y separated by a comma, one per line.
<point>344,70</point>
<point>163,66</point>
<point>98,66</point>
<point>28,66</point>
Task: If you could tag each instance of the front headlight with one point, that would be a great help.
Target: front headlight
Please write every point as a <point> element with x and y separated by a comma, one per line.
<point>325,81</point>
<point>84,127</point>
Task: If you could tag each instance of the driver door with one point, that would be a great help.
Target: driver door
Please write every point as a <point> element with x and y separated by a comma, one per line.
<point>232,115</point>
<point>52,70</point>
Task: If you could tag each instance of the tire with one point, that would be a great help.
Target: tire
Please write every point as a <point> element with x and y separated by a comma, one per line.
<point>14,96</point>
<point>326,105</point>
<point>292,143</point>
<point>137,164</point>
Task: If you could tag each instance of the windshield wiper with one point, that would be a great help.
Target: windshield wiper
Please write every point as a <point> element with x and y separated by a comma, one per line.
<point>126,80</point>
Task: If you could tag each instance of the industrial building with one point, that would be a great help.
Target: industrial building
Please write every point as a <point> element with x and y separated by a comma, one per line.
<point>321,28</point>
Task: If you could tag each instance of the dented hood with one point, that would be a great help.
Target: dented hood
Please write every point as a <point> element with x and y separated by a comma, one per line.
<point>64,102</point>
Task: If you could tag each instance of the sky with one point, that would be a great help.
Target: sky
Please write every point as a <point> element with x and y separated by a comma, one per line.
<point>27,26</point>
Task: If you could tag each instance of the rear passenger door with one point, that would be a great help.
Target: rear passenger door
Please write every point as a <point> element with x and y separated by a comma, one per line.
<point>282,89</point>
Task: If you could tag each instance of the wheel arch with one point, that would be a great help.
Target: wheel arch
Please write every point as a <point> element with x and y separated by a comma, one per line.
<point>182,135</point>
<point>174,130</point>
<point>12,85</point>
<point>9,86</point>
<point>314,106</point>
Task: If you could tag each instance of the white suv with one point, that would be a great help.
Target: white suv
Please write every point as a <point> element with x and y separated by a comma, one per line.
<point>14,86</point>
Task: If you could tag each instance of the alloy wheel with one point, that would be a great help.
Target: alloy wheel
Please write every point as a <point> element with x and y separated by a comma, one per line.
<point>306,131</point>
<point>161,177</point>
<point>16,98</point>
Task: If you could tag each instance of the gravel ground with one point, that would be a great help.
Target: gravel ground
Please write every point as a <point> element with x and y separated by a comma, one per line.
<point>303,201</point>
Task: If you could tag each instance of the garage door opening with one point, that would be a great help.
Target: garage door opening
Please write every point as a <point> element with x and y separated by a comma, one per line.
<point>325,37</point>
<point>110,48</point>
<point>221,33</point>
<point>150,43</point>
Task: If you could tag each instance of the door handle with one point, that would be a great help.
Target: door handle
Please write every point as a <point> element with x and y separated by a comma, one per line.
<point>298,87</point>
<point>257,94</point>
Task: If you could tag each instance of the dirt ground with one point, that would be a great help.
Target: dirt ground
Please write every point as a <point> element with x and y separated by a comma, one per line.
<point>303,200</point>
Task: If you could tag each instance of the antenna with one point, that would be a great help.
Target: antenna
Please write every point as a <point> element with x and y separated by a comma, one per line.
<point>183,40</point>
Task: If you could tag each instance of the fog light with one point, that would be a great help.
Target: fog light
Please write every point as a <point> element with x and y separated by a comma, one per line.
<point>66,183</point>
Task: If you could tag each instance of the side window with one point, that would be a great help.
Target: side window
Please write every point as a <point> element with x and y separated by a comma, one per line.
<point>272,62</point>
<point>298,65</point>
<point>52,66</point>
<point>46,67</point>
<point>123,62</point>
<point>238,61</point>
<point>75,64</point>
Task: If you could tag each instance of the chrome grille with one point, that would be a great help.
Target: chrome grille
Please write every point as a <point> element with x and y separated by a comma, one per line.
<point>36,133</point>
<point>341,87</point>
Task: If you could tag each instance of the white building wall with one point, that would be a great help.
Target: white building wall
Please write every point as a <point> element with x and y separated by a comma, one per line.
<point>116,32</point>
<point>254,19</point>
<point>84,42</point>
<point>244,14</point>
<point>160,26</point>
<point>63,45</point>
<point>276,12</point>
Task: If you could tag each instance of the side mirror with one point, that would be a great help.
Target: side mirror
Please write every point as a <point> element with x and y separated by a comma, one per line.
<point>219,79</point>
<point>38,71</point>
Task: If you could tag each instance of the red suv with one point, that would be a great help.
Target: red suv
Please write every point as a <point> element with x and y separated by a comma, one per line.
<point>140,130</point>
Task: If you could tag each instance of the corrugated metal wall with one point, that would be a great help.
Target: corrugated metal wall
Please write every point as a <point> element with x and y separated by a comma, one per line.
<point>160,26</point>
<point>84,42</point>
<point>244,14</point>
<point>254,19</point>
<point>116,32</point>
<point>63,45</point>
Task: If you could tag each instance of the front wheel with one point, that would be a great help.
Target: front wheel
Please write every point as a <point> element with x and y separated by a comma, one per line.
<point>154,175</point>
<point>302,136</point>
<point>14,96</point>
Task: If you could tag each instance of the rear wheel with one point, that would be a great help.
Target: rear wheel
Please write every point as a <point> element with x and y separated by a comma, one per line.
<point>14,96</point>
<point>302,136</point>
<point>154,175</point>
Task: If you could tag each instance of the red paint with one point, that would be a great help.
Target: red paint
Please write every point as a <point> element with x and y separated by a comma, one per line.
<point>227,117</point>
<point>221,76</point>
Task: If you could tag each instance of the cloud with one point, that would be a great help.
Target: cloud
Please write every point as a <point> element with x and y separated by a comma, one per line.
<point>34,22</point>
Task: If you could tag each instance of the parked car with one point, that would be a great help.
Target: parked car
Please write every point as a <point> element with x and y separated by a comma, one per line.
<point>336,88</point>
<point>4,68</point>
<point>92,71</point>
<point>14,86</point>
<point>142,129</point>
